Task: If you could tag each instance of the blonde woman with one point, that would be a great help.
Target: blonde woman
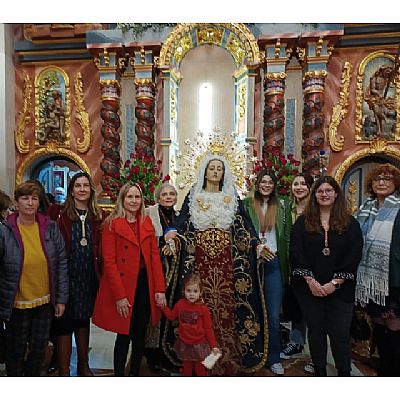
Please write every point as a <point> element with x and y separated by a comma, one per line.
<point>133,282</point>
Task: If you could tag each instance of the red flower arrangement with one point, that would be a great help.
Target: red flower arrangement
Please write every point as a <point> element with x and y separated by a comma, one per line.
<point>142,169</point>
<point>284,168</point>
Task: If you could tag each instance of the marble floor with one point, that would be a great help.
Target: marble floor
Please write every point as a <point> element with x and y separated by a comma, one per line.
<point>101,360</point>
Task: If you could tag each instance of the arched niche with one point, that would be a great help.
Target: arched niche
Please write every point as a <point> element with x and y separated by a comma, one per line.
<point>61,165</point>
<point>237,47</point>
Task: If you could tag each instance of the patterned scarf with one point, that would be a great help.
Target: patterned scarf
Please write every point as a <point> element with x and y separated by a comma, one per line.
<point>376,226</point>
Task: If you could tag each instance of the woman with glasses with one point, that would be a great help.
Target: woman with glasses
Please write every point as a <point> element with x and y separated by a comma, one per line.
<point>378,277</point>
<point>325,250</point>
<point>267,215</point>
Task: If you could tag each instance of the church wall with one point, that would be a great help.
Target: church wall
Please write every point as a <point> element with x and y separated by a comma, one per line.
<point>92,101</point>
<point>332,89</point>
<point>7,109</point>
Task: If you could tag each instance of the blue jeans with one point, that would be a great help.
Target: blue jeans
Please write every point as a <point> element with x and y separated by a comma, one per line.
<point>273,293</point>
<point>298,332</point>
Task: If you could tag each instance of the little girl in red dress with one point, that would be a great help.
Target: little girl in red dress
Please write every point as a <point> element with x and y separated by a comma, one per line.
<point>196,336</point>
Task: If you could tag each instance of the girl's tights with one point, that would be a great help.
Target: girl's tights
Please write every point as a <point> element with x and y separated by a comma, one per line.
<point>198,367</point>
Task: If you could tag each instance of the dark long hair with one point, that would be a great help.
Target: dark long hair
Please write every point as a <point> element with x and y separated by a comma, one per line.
<point>267,221</point>
<point>69,206</point>
<point>340,213</point>
<point>308,179</point>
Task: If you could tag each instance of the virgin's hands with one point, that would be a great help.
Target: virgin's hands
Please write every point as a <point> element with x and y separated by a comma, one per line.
<point>59,310</point>
<point>169,248</point>
<point>170,235</point>
<point>161,301</point>
<point>216,351</point>
<point>316,288</point>
<point>265,252</point>
<point>123,307</point>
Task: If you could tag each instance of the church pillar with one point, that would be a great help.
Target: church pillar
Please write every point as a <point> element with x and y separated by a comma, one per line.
<point>110,66</point>
<point>277,54</point>
<point>314,51</point>
<point>143,64</point>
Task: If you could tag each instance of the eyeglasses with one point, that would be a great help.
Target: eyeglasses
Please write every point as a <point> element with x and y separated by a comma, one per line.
<point>328,192</point>
<point>385,179</point>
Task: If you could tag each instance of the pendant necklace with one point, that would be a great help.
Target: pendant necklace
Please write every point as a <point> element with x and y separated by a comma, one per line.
<point>166,220</point>
<point>326,251</point>
<point>83,242</point>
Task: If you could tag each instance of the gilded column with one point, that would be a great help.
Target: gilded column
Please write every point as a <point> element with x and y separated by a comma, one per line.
<point>144,113</point>
<point>274,117</point>
<point>314,50</point>
<point>111,162</point>
<point>142,61</point>
<point>313,120</point>
<point>110,65</point>
<point>278,51</point>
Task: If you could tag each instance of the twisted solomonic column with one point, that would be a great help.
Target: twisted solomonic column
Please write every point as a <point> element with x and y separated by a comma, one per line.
<point>111,162</point>
<point>313,120</point>
<point>274,117</point>
<point>144,112</point>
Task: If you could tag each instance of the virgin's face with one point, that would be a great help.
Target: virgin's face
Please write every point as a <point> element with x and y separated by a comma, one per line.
<point>215,170</point>
<point>325,195</point>
<point>133,200</point>
<point>266,186</point>
<point>300,189</point>
<point>81,189</point>
<point>167,197</point>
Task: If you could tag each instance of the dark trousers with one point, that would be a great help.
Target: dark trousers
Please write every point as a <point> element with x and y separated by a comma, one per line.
<point>137,332</point>
<point>328,316</point>
<point>27,329</point>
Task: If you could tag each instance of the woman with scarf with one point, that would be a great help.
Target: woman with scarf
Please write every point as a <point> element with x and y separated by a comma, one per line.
<point>162,215</point>
<point>378,277</point>
<point>217,240</point>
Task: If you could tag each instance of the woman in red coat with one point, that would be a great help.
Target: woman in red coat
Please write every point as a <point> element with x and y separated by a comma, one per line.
<point>133,282</point>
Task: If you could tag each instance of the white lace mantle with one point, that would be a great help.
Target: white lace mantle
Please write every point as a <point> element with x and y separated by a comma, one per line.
<point>212,210</point>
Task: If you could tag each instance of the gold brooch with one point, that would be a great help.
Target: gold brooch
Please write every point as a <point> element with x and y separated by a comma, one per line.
<point>203,205</point>
<point>227,199</point>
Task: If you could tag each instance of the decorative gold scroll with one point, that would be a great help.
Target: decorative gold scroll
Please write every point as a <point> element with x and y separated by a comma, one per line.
<point>82,117</point>
<point>24,118</point>
<point>339,110</point>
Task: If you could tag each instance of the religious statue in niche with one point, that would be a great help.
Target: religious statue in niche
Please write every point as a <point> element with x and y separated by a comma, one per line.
<point>52,104</point>
<point>55,117</point>
<point>379,100</point>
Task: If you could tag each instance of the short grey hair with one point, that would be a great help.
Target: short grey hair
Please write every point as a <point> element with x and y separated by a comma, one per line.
<point>160,188</point>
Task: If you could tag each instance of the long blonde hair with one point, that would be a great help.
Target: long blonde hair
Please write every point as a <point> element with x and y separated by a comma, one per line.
<point>267,221</point>
<point>119,209</point>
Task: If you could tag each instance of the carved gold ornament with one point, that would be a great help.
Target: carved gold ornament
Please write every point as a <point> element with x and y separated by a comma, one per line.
<point>82,117</point>
<point>24,118</point>
<point>339,110</point>
<point>241,42</point>
<point>173,105</point>
<point>236,49</point>
<point>377,146</point>
<point>360,96</point>
<point>52,82</point>
<point>210,35</point>
<point>242,101</point>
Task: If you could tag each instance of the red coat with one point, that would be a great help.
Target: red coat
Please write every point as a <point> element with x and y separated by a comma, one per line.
<point>121,256</point>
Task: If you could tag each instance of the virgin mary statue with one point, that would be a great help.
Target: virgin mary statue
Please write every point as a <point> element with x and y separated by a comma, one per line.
<point>218,241</point>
